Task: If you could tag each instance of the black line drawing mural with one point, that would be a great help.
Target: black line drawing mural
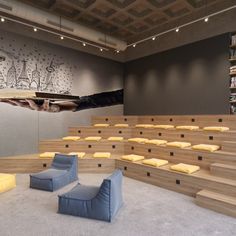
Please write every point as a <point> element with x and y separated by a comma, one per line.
<point>34,67</point>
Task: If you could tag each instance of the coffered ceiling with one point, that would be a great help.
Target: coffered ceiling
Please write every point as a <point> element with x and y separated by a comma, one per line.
<point>125,19</point>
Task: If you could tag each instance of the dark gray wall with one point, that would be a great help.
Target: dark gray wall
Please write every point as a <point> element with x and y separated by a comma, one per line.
<point>191,79</point>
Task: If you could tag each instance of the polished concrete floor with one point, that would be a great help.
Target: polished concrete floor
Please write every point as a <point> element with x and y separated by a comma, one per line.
<point>148,210</point>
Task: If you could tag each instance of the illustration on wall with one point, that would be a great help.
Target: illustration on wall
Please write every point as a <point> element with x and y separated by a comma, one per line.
<point>32,67</point>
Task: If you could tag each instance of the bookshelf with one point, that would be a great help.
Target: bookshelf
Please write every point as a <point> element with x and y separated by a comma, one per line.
<point>232,72</point>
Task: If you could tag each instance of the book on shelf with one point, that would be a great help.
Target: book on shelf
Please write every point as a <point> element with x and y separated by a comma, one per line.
<point>233,40</point>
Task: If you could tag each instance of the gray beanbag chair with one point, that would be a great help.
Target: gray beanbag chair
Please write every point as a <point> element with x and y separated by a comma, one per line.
<point>64,170</point>
<point>101,203</point>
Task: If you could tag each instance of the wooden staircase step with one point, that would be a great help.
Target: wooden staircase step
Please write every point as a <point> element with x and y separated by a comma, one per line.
<point>217,202</point>
<point>223,170</point>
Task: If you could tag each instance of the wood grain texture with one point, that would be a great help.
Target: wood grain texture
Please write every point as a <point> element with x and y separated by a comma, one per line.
<point>223,170</point>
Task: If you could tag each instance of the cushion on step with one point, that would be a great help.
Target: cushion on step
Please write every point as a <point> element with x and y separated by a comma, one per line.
<point>155,162</point>
<point>216,128</point>
<point>185,168</point>
<point>121,125</point>
<point>164,126</point>
<point>79,154</point>
<point>93,138</point>
<point>115,139</point>
<point>71,138</point>
<point>178,144</point>
<point>138,140</point>
<point>156,141</point>
<point>144,126</point>
<point>132,157</point>
<point>102,155</point>
<point>7,182</point>
<point>187,127</point>
<point>48,154</point>
<point>101,125</point>
<point>206,147</point>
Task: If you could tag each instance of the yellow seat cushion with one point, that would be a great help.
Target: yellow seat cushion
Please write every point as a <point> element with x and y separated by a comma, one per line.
<point>187,127</point>
<point>93,138</point>
<point>156,141</point>
<point>101,125</point>
<point>216,128</point>
<point>144,126</point>
<point>71,138</point>
<point>206,147</point>
<point>121,125</point>
<point>79,154</point>
<point>178,144</point>
<point>155,162</point>
<point>164,126</point>
<point>102,155</point>
<point>7,182</point>
<point>48,154</point>
<point>115,139</point>
<point>185,168</point>
<point>132,157</point>
<point>138,140</point>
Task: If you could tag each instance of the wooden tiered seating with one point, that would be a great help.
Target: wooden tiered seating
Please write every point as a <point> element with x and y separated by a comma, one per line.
<point>214,185</point>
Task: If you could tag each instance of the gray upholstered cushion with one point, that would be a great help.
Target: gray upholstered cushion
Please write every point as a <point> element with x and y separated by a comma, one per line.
<point>93,202</point>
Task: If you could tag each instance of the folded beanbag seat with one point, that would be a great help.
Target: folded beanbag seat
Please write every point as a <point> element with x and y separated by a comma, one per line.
<point>187,127</point>
<point>71,138</point>
<point>178,144</point>
<point>216,128</point>
<point>101,125</point>
<point>156,141</point>
<point>132,157</point>
<point>7,182</point>
<point>79,154</point>
<point>155,162</point>
<point>115,139</point>
<point>48,154</point>
<point>206,147</point>
<point>138,140</point>
<point>93,138</point>
<point>185,168</point>
<point>102,155</point>
<point>101,203</point>
<point>144,126</point>
<point>164,126</point>
<point>64,170</point>
<point>122,125</point>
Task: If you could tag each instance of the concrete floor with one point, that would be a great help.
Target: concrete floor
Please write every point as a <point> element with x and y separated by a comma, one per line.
<point>148,210</point>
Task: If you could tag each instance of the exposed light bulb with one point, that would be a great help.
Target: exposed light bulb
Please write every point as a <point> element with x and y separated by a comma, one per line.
<point>35,29</point>
<point>134,45</point>
<point>177,30</point>
<point>61,37</point>
<point>153,38</point>
<point>117,51</point>
<point>206,19</point>
<point>84,44</point>
<point>101,49</point>
<point>2,19</point>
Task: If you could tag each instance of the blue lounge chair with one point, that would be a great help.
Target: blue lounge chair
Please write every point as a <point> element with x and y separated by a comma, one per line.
<point>101,203</point>
<point>64,170</point>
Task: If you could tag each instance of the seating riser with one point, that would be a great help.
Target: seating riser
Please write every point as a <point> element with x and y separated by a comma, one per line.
<point>229,146</point>
<point>112,120</point>
<point>104,132</point>
<point>196,182</point>
<point>229,173</point>
<point>175,155</point>
<point>81,146</point>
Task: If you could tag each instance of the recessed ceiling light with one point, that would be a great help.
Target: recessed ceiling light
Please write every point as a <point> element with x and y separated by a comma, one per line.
<point>35,29</point>
<point>153,38</point>
<point>84,44</point>
<point>134,45</point>
<point>61,37</point>
<point>2,19</point>
<point>206,19</point>
<point>177,30</point>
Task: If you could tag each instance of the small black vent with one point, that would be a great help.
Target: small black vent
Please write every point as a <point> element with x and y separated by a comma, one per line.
<point>193,120</point>
<point>67,145</point>
<point>132,148</point>
<point>177,181</point>
<point>113,146</point>
<point>182,135</point>
<point>159,134</point>
<point>44,165</point>
<point>99,165</point>
<point>148,174</point>
<point>171,154</point>
<point>125,167</point>
<point>211,138</point>
<point>79,131</point>
<point>141,132</point>
<point>220,120</point>
<point>171,119</point>
<point>89,146</point>
<point>149,150</point>
<point>199,158</point>
<point>99,131</point>
<point>120,132</point>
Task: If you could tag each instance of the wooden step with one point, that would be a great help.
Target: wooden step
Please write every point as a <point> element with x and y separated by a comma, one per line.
<point>223,170</point>
<point>217,202</point>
